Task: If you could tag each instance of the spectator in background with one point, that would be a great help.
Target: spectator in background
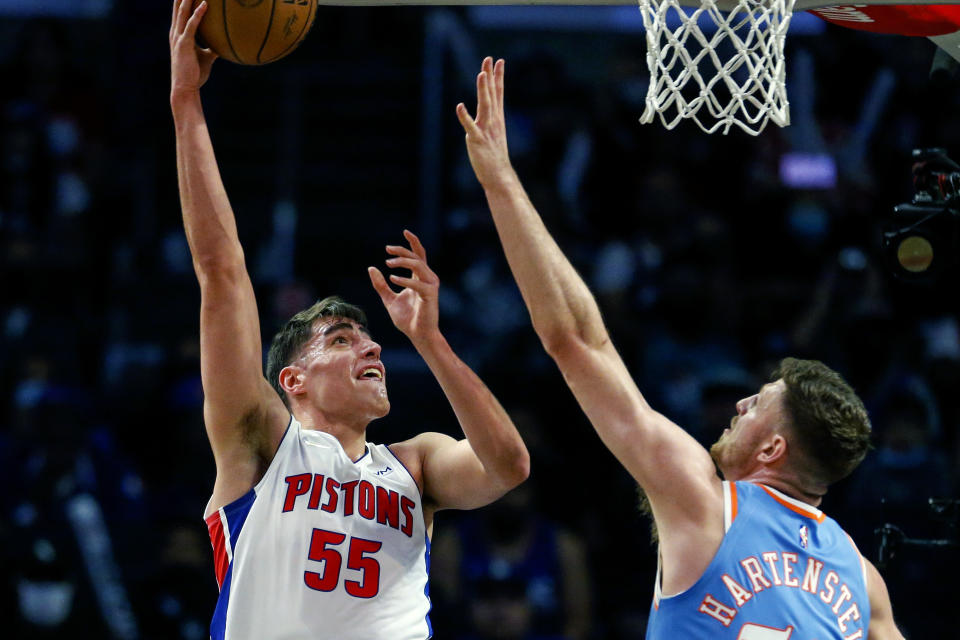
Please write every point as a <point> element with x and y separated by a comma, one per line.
<point>541,567</point>
<point>502,610</point>
<point>174,594</point>
<point>67,486</point>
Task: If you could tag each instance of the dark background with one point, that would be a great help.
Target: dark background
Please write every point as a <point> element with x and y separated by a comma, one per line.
<point>709,268</point>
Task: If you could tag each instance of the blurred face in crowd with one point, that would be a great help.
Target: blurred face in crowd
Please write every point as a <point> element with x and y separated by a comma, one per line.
<point>758,417</point>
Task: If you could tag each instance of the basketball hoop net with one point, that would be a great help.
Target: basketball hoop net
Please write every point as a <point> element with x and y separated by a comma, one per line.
<point>733,75</point>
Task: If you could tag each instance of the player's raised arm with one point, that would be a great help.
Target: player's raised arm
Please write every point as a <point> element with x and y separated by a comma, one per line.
<point>675,471</point>
<point>460,474</point>
<point>243,415</point>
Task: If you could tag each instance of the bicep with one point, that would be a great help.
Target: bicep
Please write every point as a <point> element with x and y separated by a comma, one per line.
<point>882,625</point>
<point>453,476</point>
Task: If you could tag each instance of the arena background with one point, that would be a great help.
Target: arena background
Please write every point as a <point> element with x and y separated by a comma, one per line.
<point>712,257</point>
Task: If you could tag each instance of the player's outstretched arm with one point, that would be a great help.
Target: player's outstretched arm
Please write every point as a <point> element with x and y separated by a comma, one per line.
<point>882,626</point>
<point>459,474</point>
<point>672,467</point>
<point>243,415</point>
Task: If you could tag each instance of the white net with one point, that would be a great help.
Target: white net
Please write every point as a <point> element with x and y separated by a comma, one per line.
<point>730,71</point>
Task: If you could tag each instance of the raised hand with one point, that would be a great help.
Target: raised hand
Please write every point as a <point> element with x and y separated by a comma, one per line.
<point>189,63</point>
<point>487,133</point>
<point>414,309</point>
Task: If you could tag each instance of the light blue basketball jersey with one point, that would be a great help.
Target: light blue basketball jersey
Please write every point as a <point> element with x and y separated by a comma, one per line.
<point>783,571</point>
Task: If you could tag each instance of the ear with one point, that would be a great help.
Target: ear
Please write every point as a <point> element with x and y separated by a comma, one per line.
<point>291,380</point>
<point>773,451</point>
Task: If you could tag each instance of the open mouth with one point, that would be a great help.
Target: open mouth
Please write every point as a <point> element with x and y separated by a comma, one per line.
<point>371,373</point>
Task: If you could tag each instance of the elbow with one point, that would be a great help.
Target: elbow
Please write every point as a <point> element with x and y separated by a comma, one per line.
<point>522,467</point>
<point>557,341</point>
<point>568,346</point>
<point>219,266</point>
<point>518,470</point>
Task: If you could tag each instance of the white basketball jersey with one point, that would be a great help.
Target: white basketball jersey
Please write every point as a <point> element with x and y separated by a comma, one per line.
<point>323,547</point>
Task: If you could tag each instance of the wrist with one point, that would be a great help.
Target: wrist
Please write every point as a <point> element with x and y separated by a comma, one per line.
<point>184,97</point>
<point>429,343</point>
<point>503,182</point>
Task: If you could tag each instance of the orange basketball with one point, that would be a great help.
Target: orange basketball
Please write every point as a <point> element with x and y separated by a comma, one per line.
<point>255,31</point>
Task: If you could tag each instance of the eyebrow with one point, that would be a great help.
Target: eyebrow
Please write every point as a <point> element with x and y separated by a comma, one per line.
<point>764,387</point>
<point>342,326</point>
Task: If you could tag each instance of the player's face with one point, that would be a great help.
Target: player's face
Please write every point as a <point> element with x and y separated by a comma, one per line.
<point>344,376</point>
<point>757,418</point>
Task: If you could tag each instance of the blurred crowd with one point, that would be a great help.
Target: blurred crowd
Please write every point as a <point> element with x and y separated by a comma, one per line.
<point>709,266</point>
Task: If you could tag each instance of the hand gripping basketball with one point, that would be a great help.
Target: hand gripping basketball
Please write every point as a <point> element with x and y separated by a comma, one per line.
<point>189,63</point>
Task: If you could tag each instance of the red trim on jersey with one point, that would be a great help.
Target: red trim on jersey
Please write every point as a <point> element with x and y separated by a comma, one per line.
<point>907,20</point>
<point>219,541</point>
<point>813,515</point>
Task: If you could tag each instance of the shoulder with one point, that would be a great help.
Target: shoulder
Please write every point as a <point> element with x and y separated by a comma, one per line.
<point>245,464</point>
<point>411,453</point>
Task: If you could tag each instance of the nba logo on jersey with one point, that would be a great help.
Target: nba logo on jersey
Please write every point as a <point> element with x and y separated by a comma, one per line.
<point>804,536</point>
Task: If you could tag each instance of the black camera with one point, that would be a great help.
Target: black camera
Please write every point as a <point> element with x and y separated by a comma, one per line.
<point>892,538</point>
<point>920,240</point>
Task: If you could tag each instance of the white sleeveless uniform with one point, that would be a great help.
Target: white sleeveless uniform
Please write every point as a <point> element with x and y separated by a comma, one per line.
<point>324,548</point>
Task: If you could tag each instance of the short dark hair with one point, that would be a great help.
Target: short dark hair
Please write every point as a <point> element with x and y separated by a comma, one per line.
<point>827,418</point>
<point>290,340</point>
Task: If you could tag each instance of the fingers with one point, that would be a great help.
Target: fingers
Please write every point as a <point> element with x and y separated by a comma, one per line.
<point>490,83</point>
<point>416,266</point>
<point>173,18</point>
<point>498,73</point>
<point>397,250</point>
<point>416,249</point>
<point>190,30</point>
<point>466,120</point>
<point>414,258</point>
<point>489,97</point>
<point>489,91</point>
<point>186,19</point>
<point>481,100</point>
<point>489,80</point>
<point>380,286</point>
<point>388,295</point>
<point>415,244</point>
<point>484,108</point>
<point>183,11</point>
<point>425,289</point>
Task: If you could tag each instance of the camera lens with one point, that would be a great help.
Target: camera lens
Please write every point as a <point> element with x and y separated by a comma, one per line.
<point>915,254</point>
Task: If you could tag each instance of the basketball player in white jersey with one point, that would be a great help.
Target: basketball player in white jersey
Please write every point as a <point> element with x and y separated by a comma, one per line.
<point>749,557</point>
<point>316,532</point>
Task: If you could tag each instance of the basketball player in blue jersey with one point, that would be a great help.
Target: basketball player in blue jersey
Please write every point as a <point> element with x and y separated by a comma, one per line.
<point>745,557</point>
<point>316,532</point>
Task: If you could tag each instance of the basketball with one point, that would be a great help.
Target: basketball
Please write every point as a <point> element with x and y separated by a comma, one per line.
<point>255,31</point>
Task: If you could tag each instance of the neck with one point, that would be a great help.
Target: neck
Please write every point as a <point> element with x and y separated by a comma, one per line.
<point>793,487</point>
<point>351,435</point>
